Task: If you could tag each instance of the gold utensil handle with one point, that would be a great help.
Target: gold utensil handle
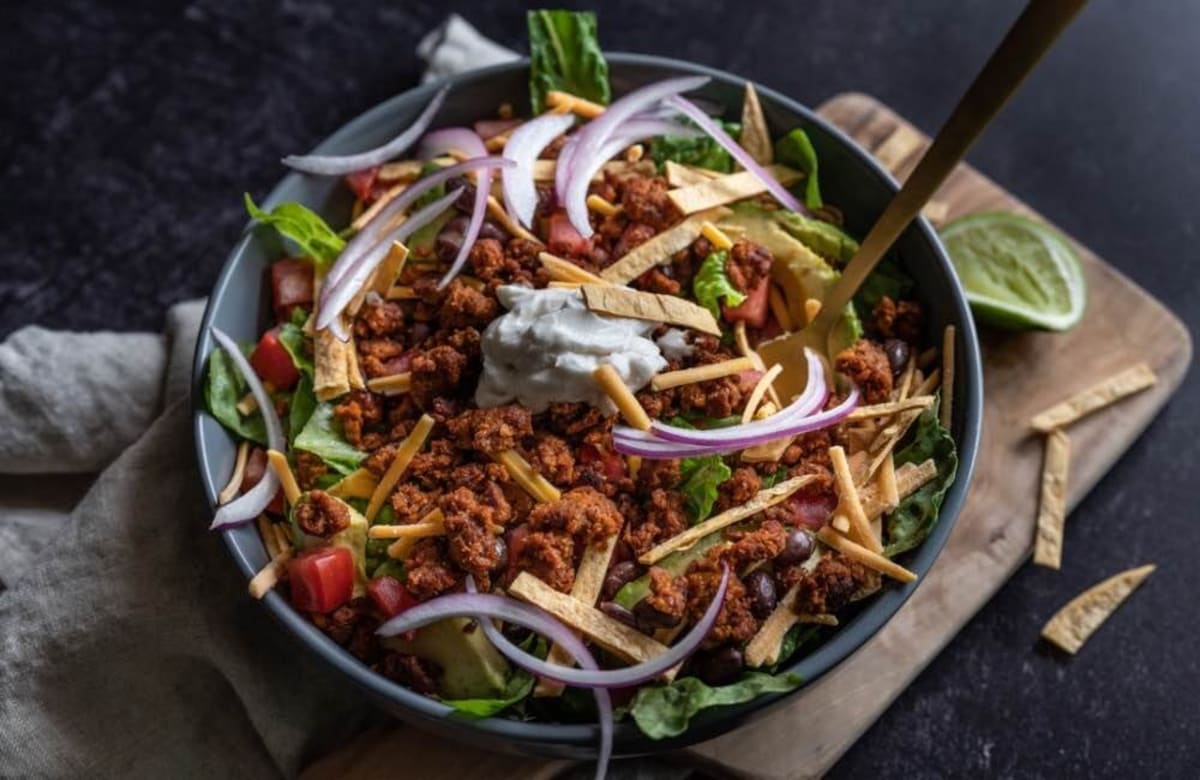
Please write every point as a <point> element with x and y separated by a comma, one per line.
<point>1029,39</point>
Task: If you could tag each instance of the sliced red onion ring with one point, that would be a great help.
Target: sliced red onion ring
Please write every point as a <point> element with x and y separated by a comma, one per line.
<point>594,135</point>
<point>761,431</point>
<point>777,190</point>
<point>337,165</point>
<point>523,148</point>
<point>469,143</point>
<point>562,167</point>
<point>485,607</point>
<point>250,505</point>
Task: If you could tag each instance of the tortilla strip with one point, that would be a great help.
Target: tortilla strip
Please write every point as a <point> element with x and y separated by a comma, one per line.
<point>929,384</point>
<point>763,649</point>
<point>353,372</point>
<point>654,307</point>
<point>500,214</point>
<point>659,249</point>
<point>411,445</point>
<point>392,384</point>
<point>680,175</point>
<point>389,269</point>
<point>589,581</point>
<point>906,380</point>
<point>268,576</point>
<point>231,488</point>
<point>890,408</point>
<point>765,498</point>
<point>850,503</point>
<point>1094,398</point>
<point>885,443</point>
<point>523,474</point>
<point>1074,623</point>
<point>1052,511</point>
<point>902,143</point>
<point>887,486</point>
<point>728,189</point>
<point>946,411</point>
<point>687,376</point>
<point>868,558</point>
<point>359,483</point>
<point>755,137</point>
<point>617,638</point>
<point>565,271</point>
<point>543,170</point>
<point>331,374</point>
<point>909,479</point>
<point>287,480</point>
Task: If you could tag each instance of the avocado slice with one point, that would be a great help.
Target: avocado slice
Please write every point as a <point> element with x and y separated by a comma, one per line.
<point>353,537</point>
<point>829,241</point>
<point>471,667</point>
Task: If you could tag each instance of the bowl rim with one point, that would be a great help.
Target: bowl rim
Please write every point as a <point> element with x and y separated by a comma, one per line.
<point>628,740</point>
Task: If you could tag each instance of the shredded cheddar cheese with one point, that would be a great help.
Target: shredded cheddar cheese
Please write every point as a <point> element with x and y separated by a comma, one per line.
<point>411,445</point>
<point>279,464</point>
<point>534,483</point>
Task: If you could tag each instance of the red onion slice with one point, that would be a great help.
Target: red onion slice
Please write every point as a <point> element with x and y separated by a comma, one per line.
<point>562,168</point>
<point>250,505</point>
<point>767,430</point>
<point>777,190</point>
<point>593,136</point>
<point>523,148</point>
<point>485,607</point>
<point>469,143</point>
<point>338,165</point>
<point>632,132</point>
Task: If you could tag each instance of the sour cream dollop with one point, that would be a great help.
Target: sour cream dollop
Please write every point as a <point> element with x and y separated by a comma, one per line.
<point>546,347</point>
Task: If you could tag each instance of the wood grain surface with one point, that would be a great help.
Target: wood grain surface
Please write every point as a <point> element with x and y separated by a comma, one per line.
<point>1023,373</point>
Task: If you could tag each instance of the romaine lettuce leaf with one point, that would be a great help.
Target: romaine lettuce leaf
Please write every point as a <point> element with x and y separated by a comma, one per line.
<point>888,279</point>
<point>321,436</point>
<point>303,227</point>
<point>711,284</point>
<point>565,55</point>
<point>911,522</point>
<point>701,478</point>
<point>665,710</point>
<point>304,401</point>
<point>291,336</point>
<point>223,389</point>
<point>702,152</point>
<point>796,150</point>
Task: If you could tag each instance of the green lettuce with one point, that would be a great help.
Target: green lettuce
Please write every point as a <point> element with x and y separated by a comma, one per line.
<point>321,436</point>
<point>701,478</point>
<point>711,283</point>
<point>888,279</point>
<point>303,403</point>
<point>292,337</point>
<point>795,638</point>
<point>303,227</point>
<point>771,480</point>
<point>565,55</point>
<point>700,152</point>
<point>910,523</point>
<point>665,710</point>
<point>519,686</point>
<point>437,192</point>
<point>222,391</point>
<point>796,151</point>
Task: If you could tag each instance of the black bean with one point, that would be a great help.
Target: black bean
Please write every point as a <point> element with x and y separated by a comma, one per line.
<point>761,589</point>
<point>619,613</point>
<point>450,238</point>
<point>515,633</point>
<point>465,201</point>
<point>492,230</point>
<point>618,575</point>
<point>650,618</point>
<point>721,666</point>
<point>897,354</point>
<point>799,546</point>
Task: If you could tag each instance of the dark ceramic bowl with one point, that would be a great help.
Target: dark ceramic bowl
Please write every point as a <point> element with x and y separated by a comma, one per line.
<point>850,178</point>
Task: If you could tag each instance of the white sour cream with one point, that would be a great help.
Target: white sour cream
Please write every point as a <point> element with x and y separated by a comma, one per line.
<point>674,345</point>
<point>545,348</point>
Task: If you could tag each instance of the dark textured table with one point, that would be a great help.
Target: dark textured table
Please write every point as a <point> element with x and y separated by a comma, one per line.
<point>131,130</point>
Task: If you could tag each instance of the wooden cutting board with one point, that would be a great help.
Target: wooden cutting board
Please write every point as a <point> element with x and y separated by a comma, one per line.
<point>1023,373</point>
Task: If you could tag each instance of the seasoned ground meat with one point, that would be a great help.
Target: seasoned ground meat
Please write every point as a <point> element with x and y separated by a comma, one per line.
<point>352,626</point>
<point>551,457</point>
<point>491,430</point>
<point>309,468</point>
<point>410,503</point>
<point>829,587</point>
<point>436,372</point>
<point>656,474</point>
<point>748,264</point>
<point>664,516</point>
<point>356,413</point>
<point>485,505</point>
<point>549,556</point>
<point>716,397</point>
<point>657,280</point>
<point>584,513</point>
<point>487,259</point>
<point>898,319</point>
<point>475,475</point>
<point>321,515</point>
<point>429,573</point>
<point>645,200</point>
<point>667,597</point>
<point>431,468</point>
<point>514,262</point>
<point>660,404</point>
<point>753,545</point>
<point>867,365</point>
<point>408,670</point>
<point>474,522</point>
<point>572,419</point>
<point>634,234</point>
<point>464,307</point>
<point>379,318</point>
<point>741,486</point>
<point>735,622</point>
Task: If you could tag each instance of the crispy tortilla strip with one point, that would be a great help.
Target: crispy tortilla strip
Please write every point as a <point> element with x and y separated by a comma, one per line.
<point>660,248</point>
<point>565,271</point>
<point>654,307</point>
<point>840,523</point>
<point>849,502</point>
<point>411,445</point>
<point>902,143</point>
<point>353,372</point>
<point>543,170</point>
<point>687,376</point>
<point>627,403</point>
<point>680,175</point>
<point>888,491</point>
<point>387,272</point>
<point>760,390</point>
<point>1052,511</point>
<point>902,390</point>
<point>1073,624</point>
<point>909,479</point>
<point>523,474</point>
<point>885,443</point>
<point>1094,398</point>
<point>232,487</point>
<point>331,373</point>
<point>765,498</point>
<point>565,101</point>
<point>589,581</point>
<point>287,480</point>
<point>270,575</point>
<point>500,215</point>
<point>359,483</point>
<point>946,411</point>
<point>763,649</point>
<point>929,384</point>
<point>755,137</point>
<point>872,560</point>
<point>728,189</point>
<point>393,384</point>
<point>617,638</point>
<point>920,402</point>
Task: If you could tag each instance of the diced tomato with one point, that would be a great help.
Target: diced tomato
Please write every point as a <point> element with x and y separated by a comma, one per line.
<point>747,380</point>
<point>322,579</point>
<point>291,286</point>
<point>771,329</point>
<point>361,182</point>
<point>811,510</point>
<point>489,128</point>
<point>562,238</point>
<point>514,540</point>
<point>390,595</point>
<point>753,310</point>
<point>272,362</point>
<point>256,466</point>
<point>612,464</point>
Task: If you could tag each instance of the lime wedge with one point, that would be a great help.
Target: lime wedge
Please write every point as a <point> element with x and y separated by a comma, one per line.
<point>1018,274</point>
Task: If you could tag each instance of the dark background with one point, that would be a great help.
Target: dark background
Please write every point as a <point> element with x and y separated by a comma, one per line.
<point>129,131</point>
